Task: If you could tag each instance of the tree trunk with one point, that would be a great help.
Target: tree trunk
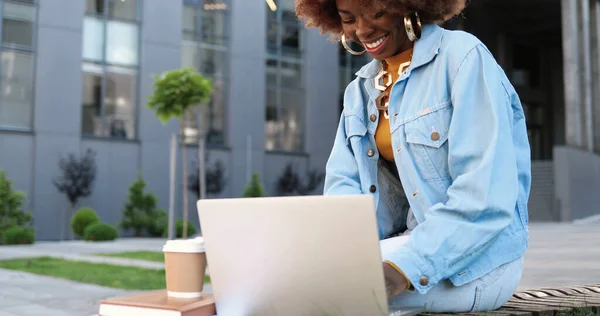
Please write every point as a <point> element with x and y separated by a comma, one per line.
<point>172,172</point>
<point>185,186</point>
<point>201,156</point>
<point>63,223</point>
<point>70,231</point>
<point>201,152</point>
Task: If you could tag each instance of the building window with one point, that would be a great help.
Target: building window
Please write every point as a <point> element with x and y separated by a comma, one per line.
<point>205,48</point>
<point>285,110</point>
<point>110,68</point>
<point>349,65</point>
<point>17,67</point>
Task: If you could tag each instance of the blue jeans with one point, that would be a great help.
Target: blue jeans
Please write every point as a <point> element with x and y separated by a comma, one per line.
<point>487,293</point>
<point>484,294</point>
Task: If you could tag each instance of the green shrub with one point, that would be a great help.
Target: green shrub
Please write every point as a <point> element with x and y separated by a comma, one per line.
<point>158,223</point>
<point>100,232</point>
<point>191,229</point>
<point>19,236</point>
<point>140,213</point>
<point>11,206</point>
<point>254,188</point>
<point>82,219</point>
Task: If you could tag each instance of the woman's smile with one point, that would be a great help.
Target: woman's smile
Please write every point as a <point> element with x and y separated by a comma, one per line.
<point>377,46</point>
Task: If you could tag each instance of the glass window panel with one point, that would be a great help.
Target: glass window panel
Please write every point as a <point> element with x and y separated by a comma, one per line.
<point>288,12</point>
<point>189,54</point>
<point>272,43</point>
<point>189,36</point>
<point>16,11</point>
<point>216,112</point>
<point>17,32</point>
<point>204,47</point>
<point>190,132</point>
<point>94,7</point>
<point>292,120</point>
<point>290,40</point>
<point>93,39</point>
<point>91,117</point>
<point>123,9</point>
<point>29,2</point>
<point>272,124</point>
<point>120,101</point>
<point>214,27</point>
<point>213,62</point>
<point>272,70</point>
<point>17,24</point>
<point>215,120</point>
<point>122,43</point>
<point>190,19</point>
<point>16,89</point>
<point>291,75</point>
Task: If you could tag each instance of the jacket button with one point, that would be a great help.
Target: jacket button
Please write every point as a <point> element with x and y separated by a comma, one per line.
<point>370,153</point>
<point>372,117</point>
<point>424,281</point>
<point>435,136</point>
<point>373,188</point>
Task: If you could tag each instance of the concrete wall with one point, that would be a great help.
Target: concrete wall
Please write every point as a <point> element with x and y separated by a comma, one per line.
<point>577,181</point>
<point>57,109</point>
<point>541,204</point>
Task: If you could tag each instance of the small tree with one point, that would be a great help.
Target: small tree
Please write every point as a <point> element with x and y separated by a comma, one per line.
<point>289,182</point>
<point>140,210</point>
<point>215,180</point>
<point>11,206</point>
<point>176,93</point>
<point>76,179</point>
<point>255,188</point>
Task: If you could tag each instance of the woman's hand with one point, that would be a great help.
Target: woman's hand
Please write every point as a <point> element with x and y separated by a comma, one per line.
<point>395,282</point>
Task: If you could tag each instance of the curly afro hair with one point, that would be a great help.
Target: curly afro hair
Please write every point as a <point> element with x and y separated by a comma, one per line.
<point>322,14</point>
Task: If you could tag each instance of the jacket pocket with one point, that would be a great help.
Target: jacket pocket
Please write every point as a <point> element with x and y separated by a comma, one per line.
<point>427,139</point>
<point>355,128</point>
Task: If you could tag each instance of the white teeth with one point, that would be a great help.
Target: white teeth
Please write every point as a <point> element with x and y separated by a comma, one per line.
<point>376,43</point>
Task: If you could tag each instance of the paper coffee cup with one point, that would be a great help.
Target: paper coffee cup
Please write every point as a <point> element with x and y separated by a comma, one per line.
<point>185,266</point>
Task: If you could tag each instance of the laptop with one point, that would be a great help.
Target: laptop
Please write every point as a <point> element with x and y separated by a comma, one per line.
<point>302,255</point>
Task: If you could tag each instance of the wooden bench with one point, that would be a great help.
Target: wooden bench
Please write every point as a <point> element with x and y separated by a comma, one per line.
<point>549,301</point>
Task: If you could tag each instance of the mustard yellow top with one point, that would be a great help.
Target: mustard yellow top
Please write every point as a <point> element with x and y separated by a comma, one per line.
<point>383,138</point>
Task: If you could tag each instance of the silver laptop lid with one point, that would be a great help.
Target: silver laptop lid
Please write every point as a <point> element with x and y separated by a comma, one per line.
<point>310,255</point>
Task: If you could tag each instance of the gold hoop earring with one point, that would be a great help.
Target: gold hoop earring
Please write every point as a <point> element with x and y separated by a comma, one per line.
<point>413,27</point>
<point>350,50</point>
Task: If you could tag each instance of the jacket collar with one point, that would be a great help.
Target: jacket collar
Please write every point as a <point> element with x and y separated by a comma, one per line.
<point>424,51</point>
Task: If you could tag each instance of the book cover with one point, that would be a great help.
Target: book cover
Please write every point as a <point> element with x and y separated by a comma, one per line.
<point>158,303</point>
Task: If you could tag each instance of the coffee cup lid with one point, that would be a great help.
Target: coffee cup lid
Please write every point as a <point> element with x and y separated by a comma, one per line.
<point>185,245</point>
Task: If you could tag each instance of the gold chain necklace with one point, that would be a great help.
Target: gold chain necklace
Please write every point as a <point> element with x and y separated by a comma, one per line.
<point>383,81</point>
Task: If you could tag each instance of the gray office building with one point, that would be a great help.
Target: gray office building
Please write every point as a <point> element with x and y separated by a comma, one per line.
<point>76,75</point>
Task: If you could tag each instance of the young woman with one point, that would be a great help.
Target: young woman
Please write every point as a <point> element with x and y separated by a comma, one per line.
<point>433,129</point>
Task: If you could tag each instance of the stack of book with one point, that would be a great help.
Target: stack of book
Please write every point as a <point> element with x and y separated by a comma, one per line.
<point>157,303</point>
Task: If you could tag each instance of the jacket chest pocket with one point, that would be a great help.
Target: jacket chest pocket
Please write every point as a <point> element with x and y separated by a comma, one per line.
<point>427,141</point>
<point>355,131</point>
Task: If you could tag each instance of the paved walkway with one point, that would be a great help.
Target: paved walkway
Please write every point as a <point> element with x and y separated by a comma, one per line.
<point>84,251</point>
<point>559,254</point>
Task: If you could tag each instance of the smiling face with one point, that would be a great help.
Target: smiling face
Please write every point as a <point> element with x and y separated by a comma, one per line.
<point>380,32</point>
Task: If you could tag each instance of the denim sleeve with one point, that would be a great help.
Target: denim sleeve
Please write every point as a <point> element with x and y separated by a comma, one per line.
<point>341,172</point>
<point>483,194</point>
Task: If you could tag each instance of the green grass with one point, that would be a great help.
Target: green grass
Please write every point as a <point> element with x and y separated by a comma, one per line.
<point>121,277</point>
<point>156,256</point>
<point>577,312</point>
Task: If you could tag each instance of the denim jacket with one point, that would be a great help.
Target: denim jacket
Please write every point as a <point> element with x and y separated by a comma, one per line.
<point>462,152</point>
